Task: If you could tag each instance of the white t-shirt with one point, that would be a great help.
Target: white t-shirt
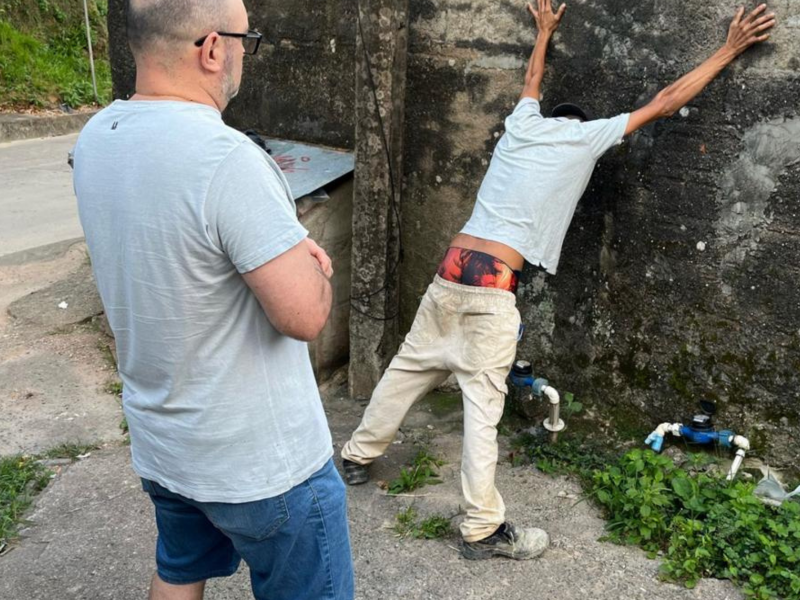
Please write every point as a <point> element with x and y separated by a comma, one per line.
<point>539,171</point>
<point>175,205</point>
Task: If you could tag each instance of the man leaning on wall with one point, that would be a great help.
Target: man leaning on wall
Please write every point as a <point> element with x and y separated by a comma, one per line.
<point>467,323</point>
<point>212,289</point>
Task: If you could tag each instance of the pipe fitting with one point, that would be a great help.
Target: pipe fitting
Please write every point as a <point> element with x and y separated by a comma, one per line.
<point>553,423</point>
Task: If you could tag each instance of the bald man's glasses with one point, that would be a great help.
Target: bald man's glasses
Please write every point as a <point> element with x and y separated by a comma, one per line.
<point>250,40</point>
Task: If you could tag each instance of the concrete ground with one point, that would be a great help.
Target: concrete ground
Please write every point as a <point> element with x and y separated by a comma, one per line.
<point>37,203</point>
<point>91,533</point>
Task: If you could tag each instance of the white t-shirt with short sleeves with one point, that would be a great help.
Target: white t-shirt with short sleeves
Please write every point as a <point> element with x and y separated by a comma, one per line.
<point>175,205</point>
<point>539,170</point>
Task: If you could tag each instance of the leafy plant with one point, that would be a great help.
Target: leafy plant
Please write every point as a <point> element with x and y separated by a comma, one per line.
<point>701,524</point>
<point>571,406</point>
<point>433,527</point>
<point>420,473</point>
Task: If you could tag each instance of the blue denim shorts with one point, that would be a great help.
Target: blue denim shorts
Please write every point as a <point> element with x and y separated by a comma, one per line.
<point>297,545</point>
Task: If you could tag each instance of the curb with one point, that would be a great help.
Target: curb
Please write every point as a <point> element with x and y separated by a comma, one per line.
<point>24,127</point>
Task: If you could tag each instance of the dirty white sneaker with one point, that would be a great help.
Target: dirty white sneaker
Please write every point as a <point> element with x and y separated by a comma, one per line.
<point>519,544</point>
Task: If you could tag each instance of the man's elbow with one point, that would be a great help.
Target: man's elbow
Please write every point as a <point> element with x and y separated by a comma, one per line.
<point>306,329</point>
<point>665,105</point>
<point>308,324</point>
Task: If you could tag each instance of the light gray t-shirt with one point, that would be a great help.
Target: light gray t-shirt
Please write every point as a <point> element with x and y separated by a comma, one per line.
<point>539,171</point>
<point>175,205</point>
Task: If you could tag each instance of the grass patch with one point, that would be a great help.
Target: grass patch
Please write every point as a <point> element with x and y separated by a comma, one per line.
<point>114,388</point>
<point>408,525</point>
<point>21,478</point>
<point>421,472</point>
<point>71,450</point>
<point>699,524</point>
<point>44,56</point>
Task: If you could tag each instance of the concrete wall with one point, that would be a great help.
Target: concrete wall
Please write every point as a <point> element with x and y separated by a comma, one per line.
<point>640,323</point>
<point>330,224</point>
<point>300,84</point>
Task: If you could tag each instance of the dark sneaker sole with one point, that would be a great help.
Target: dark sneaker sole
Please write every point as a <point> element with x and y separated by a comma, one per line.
<point>355,475</point>
<point>472,553</point>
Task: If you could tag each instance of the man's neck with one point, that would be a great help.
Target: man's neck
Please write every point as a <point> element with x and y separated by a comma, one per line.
<point>152,89</point>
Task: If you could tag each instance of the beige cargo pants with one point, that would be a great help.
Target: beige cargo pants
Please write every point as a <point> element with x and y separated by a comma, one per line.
<point>472,333</point>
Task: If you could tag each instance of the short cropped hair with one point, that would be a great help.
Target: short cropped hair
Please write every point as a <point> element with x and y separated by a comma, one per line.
<point>152,23</point>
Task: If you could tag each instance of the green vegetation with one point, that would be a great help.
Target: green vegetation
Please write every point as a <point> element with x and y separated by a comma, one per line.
<point>44,57</point>
<point>21,478</point>
<point>421,472</point>
<point>73,451</point>
<point>408,525</point>
<point>700,524</point>
<point>114,388</point>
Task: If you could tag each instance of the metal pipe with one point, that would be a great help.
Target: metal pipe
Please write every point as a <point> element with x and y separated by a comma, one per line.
<point>91,54</point>
<point>553,423</point>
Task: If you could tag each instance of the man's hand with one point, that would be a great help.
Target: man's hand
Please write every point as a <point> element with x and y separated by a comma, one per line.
<point>546,20</point>
<point>743,33</point>
<point>749,30</point>
<point>322,258</point>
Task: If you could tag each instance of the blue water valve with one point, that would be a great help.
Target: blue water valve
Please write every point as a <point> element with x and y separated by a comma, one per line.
<point>522,374</point>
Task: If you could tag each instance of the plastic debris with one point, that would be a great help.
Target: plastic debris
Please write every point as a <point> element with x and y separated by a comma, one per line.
<point>62,305</point>
<point>770,491</point>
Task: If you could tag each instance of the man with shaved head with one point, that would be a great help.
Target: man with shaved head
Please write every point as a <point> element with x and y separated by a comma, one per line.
<point>212,289</point>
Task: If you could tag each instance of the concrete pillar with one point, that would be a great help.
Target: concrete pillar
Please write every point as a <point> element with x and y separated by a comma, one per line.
<point>381,54</point>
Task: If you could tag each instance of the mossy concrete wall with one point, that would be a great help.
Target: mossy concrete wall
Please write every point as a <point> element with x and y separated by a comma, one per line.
<point>678,279</point>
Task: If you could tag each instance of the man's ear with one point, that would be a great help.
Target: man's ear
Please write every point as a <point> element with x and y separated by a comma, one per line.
<point>212,53</point>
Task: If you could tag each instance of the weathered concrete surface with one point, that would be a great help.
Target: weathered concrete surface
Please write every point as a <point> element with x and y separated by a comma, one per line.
<point>55,364</point>
<point>37,201</point>
<point>640,322</point>
<point>299,86</point>
<point>15,127</point>
<point>381,58</point>
<point>92,536</point>
<point>330,224</point>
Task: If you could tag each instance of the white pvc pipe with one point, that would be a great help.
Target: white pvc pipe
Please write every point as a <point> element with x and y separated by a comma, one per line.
<point>742,444</point>
<point>553,423</point>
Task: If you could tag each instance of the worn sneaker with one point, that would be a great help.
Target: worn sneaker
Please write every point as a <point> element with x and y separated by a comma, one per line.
<point>519,544</point>
<point>354,473</point>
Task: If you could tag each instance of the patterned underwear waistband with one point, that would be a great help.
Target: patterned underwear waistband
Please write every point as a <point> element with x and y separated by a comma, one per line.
<point>478,269</point>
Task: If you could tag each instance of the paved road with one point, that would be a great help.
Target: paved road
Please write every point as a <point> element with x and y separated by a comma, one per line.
<point>37,205</point>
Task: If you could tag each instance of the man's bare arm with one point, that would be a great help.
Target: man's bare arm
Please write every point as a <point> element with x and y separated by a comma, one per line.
<point>546,23</point>
<point>294,290</point>
<point>743,33</point>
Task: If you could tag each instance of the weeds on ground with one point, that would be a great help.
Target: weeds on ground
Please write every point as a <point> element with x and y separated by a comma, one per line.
<point>21,478</point>
<point>71,450</point>
<point>407,524</point>
<point>114,388</point>
<point>703,525</point>
<point>700,524</point>
<point>421,472</point>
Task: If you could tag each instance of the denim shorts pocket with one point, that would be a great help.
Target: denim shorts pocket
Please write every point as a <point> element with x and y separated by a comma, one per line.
<point>254,520</point>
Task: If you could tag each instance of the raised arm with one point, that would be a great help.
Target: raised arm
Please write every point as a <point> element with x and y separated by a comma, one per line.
<point>546,23</point>
<point>743,33</point>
